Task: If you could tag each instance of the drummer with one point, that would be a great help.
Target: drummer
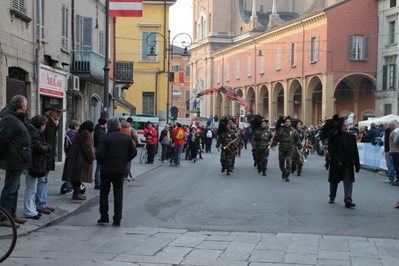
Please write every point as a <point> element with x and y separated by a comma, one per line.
<point>224,138</point>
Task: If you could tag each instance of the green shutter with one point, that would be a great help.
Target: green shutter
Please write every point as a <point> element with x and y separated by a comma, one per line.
<point>384,77</point>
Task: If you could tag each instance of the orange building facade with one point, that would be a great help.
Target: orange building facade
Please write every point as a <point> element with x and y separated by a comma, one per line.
<point>310,68</point>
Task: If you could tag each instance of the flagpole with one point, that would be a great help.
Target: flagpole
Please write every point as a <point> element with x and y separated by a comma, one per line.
<point>105,113</point>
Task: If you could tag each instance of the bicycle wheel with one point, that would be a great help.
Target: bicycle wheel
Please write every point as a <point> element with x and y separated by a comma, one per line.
<point>143,154</point>
<point>8,235</point>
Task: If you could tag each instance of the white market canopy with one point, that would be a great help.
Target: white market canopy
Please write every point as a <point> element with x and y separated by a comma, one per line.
<point>378,120</point>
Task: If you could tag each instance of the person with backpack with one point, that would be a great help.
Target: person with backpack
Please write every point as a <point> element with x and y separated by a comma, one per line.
<point>69,135</point>
<point>178,137</point>
<point>208,140</point>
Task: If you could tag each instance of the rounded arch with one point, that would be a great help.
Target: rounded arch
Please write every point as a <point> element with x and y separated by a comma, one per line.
<point>95,107</point>
<point>313,83</point>
<point>237,106</point>
<point>278,99</point>
<point>293,87</point>
<point>366,114</point>
<point>250,98</point>
<point>218,104</point>
<point>263,101</point>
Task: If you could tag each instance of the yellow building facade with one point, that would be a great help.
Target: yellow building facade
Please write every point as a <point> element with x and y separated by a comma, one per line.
<point>134,38</point>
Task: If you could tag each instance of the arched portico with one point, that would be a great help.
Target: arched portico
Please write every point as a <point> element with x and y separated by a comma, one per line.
<point>263,101</point>
<point>218,105</point>
<point>313,101</point>
<point>238,108</point>
<point>355,92</point>
<point>294,100</point>
<point>250,98</point>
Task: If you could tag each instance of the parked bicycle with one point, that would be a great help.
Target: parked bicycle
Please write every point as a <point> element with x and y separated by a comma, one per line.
<point>8,234</point>
<point>143,153</point>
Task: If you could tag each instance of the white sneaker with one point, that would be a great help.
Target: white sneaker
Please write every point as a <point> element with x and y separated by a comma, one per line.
<point>69,192</point>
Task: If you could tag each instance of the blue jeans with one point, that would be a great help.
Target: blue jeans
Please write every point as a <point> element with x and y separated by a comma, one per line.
<point>97,180</point>
<point>391,168</point>
<point>178,151</point>
<point>9,194</point>
<point>29,197</point>
<point>41,192</point>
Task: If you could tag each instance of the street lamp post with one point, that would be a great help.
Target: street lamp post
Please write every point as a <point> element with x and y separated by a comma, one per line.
<point>168,49</point>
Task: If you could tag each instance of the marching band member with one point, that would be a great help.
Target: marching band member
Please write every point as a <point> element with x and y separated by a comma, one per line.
<point>262,137</point>
<point>297,161</point>
<point>288,138</point>
<point>224,138</point>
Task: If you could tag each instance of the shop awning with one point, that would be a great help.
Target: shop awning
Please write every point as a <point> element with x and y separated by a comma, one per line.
<point>125,105</point>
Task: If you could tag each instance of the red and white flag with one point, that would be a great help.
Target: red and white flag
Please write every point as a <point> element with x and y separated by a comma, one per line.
<point>125,8</point>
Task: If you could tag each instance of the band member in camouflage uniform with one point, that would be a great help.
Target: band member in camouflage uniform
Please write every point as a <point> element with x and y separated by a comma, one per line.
<point>288,138</point>
<point>297,162</point>
<point>225,135</point>
<point>262,137</point>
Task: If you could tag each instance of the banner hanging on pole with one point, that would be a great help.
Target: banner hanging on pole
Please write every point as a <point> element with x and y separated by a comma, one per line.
<point>125,8</point>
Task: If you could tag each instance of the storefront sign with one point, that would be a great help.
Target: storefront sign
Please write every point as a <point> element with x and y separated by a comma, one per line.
<point>52,83</point>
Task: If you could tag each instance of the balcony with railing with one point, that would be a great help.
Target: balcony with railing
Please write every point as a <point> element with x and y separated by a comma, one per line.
<point>124,72</point>
<point>88,63</point>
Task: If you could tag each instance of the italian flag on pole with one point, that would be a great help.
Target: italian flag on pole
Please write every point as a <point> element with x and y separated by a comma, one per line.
<point>125,8</point>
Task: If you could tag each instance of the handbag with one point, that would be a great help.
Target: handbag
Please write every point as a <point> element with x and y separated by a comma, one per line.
<point>165,140</point>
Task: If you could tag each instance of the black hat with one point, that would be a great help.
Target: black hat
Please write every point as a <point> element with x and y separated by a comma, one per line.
<point>55,107</point>
<point>87,125</point>
<point>264,120</point>
<point>102,121</point>
<point>287,118</point>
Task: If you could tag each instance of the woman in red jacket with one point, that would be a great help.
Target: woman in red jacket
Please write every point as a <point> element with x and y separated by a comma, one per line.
<point>151,137</point>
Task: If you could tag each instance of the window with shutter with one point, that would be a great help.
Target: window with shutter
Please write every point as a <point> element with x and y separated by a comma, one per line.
<point>249,66</point>
<point>87,33</point>
<point>101,42</point>
<point>65,28</point>
<point>78,33</point>
<point>350,45</point>
<point>292,59</point>
<point>313,49</point>
<point>385,77</point>
<point>19,5</point>
<point>278,59</point>
<point>187,74</point>
<point>148,103</point>
<point>358,47</point>
<point>262,64</point>
<point>145,47</point>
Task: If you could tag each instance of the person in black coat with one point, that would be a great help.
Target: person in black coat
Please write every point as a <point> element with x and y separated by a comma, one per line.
<point>371,134</point>
<point>344,156</point>
<point>99,131</point>
<point>113,153</point>
<point>39,149</point>
<point>15,154</point>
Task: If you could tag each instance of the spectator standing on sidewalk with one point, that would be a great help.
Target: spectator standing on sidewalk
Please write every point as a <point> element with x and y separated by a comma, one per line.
<point>388,156</point>
<point>15,154</point>
<point>39,149</point>
<point>151,138</point>
<point>394,149</point>
<point>78,165</point>
<point>125,128</point>
<point>53,114</point>
<point>133,131</point>
<point>178,137</point>
<point>165,141</point>
<point>69,135</point>
<point>113,152</point>
<point>99,131</point>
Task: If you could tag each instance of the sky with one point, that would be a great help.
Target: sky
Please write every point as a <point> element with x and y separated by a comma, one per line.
<point>180,20</point>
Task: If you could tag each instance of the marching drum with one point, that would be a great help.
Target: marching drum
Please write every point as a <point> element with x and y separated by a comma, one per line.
<point>232,146</point>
